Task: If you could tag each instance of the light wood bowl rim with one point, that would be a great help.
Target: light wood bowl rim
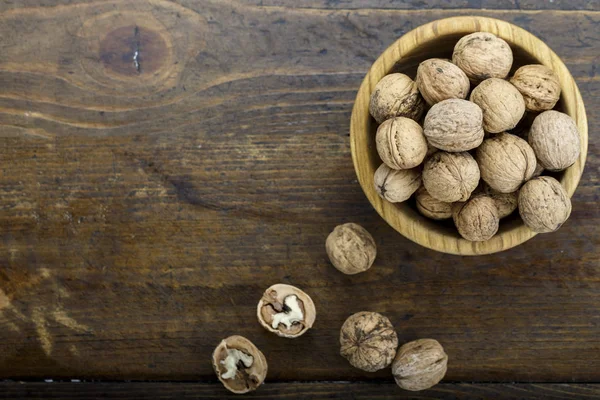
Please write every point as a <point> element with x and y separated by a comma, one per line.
<point>408,223</point>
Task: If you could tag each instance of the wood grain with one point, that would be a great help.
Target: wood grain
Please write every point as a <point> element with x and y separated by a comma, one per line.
<point>143,213</point>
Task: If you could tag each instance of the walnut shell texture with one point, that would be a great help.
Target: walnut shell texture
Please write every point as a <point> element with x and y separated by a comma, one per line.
<point>439,80</point>
<point>454,125</point>
<point>396,95</point>
<point>250,378</point>
<point>273,302</point>
<point>431,207</point>
<point>477,219</point>
<point>351,248</point>
<point>400,143</point>
<point>451,177</point>
<point>544,204</point>
<point>368,341</point>
<point>502,104</point>
<point>396,186</point>
<point>483,55</point>
<point>555,140</point>
<point>505,161</point>
<point>539,86</point>
<point>420,364</point>
<point>506,203</point>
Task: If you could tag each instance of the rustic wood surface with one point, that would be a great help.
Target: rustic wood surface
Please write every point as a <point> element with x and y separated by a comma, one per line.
<point>147,201</point>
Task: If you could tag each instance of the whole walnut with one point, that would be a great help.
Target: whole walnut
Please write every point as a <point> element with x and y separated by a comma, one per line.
<point>239,364</point>
<point>505,161</point>
<point>450,177</point>
<point>400,143</point>
<point>396,95</point>
<point>420,364</point>
<point>286,311</point>
<point>506,203</point>
<point>477,219</point>
<point>454,125</point>
<point>394,185</point>
<point>544,204</point>
<point>539,86</point>
<point>431,207</point>
<point>439,80</point>
<point>502,104</point>
<point>368,341</point>
<point>555,140</point>
<point>482,55</point>
<point>351,249</point>
<point>538,170</point>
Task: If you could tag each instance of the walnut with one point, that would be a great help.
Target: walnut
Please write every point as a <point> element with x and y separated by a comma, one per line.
<point>555,140</point>
<point>454,125</point>
<point>368,341</point>
<point>502,104</point>
<point>539,86</point>
<point>420,364</point>
<point>431,207</point>
<point>439,80</point>
<point>450,177</point>
<point>482,55</point>
<point>505,161</point>
<point>506,203</point>
<point>286,311</point>
<point>477,219</point>
<point>239,365</point>
<point>396,95</point>
<point>400,143</point>
<point>538,170</point>
<point>544,204</point>
<point>351,249</point>
<point>396,186</point>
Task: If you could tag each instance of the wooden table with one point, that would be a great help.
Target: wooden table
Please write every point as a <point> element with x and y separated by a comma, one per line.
<point>163,162</point>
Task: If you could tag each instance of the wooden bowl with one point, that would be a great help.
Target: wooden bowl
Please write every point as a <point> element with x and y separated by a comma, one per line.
<point>437,39</point>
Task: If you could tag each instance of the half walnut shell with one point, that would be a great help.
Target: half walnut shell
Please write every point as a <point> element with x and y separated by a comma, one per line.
<point>286,311</point>
<point>247,366</point>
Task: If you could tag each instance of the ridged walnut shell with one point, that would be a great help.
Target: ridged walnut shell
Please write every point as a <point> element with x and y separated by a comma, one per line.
<point>483,55</point>
<point>544,204</point>
<point>248,379</point>
<point>394,185</point>
<point>351,248</point>
<point>502,104</point>
<point>400,143</point>
<point>368,341</point>
<point>431,207</point>
<point>506,203</point>
<point>477,219</point>
<point>454,125</point>
<point>539,86</point>
<point>420,365</point>
<point>555,140</point>
<point>439,80</point>
<point>451,177</point>
<point>506,162</point>
<point>273,302</point>
<point>396,95</point>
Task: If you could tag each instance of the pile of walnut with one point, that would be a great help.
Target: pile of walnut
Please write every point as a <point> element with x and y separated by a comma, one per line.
<point>467,161</point>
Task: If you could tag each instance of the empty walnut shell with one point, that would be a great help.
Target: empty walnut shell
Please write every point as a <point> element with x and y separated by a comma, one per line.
<point>477,219</point>
<point>483,55</point>
<point>502,104</point>
<point>420,364</point>
<point>439,80</point>
<point>351,248</point>
<point>539,86</point>
<point>431,207</point>
<point>454,125</point>
<point>368,341</point>
<point>505,161</point>
<point>276,301</point>
<point>555,140</point>
<point>247,377</point>
<point>450,177</point>
<point>544,204</point>
<point>396,186</point>
<point>396,95</point>
<point>400,143</point>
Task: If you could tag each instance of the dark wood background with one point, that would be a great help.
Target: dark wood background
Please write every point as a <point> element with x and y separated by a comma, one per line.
<point>144,208</point>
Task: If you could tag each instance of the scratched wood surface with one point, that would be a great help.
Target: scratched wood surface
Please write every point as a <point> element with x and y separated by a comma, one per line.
<point>163,162</point>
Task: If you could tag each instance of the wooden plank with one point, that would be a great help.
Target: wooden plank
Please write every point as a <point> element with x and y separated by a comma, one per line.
<point>143,213</point>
